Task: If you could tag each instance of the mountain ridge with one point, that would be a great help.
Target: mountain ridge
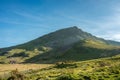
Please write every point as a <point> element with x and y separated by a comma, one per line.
<point>75,29</point>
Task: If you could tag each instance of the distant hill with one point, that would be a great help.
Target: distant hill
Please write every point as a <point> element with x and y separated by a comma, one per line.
<point>65,44</point>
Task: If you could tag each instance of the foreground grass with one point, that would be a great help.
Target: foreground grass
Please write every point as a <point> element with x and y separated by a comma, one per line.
<point>5,69</point>
<point>97,69</point>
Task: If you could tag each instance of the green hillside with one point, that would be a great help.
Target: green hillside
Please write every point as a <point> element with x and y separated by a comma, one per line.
<point>82,50</point>
<point>99,69</point>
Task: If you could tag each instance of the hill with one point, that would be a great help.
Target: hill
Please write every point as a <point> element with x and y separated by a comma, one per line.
<point>65,44</point>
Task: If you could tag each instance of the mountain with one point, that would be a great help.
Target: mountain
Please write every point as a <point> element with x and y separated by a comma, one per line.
<point>65,44</point>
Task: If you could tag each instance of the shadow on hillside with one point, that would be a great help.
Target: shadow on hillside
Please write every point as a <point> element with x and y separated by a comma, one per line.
<point>83,53</point>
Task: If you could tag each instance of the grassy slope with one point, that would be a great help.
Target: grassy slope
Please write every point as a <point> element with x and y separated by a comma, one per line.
<point>97,69</point>
<point>85,50</point>
<point>6,68</point>
<point>106,69</point>
<point>90,49</point>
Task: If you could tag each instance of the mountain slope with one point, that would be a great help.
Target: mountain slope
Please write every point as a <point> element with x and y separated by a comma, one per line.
<point>58,38</point>
<point>65,44</point>
<point>82,50</point>
<point>96,69</point>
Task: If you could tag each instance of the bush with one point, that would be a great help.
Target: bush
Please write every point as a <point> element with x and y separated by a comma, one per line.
<point>16,75</point>
<point>65,77</point>
<point>65,65</point>
<point>87,77</point>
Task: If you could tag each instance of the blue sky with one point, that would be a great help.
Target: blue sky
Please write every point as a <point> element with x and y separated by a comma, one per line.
<point>25,20</point>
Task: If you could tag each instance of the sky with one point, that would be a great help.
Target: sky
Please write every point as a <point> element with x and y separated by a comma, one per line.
<point>25,20</point>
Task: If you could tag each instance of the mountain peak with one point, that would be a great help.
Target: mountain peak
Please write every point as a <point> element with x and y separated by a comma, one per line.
<point>73,28</point>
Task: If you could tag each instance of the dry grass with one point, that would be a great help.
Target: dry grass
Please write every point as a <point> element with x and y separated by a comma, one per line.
<point>6,68</point>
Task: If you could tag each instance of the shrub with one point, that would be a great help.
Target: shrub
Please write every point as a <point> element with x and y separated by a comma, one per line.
<point>16,75</point>
<point>87,77</point>
<point>65,65</point>
<point>65,77</point>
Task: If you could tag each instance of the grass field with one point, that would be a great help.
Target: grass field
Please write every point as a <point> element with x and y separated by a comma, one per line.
<point>96,69</point>
<point>6,68</point>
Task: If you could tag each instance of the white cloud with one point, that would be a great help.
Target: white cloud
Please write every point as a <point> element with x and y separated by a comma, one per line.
<point>116,37</point>
<point>111,36</point>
